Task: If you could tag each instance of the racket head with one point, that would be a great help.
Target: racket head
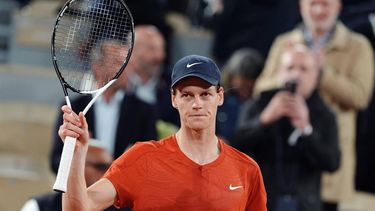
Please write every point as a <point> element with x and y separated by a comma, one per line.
<point>91,43</point>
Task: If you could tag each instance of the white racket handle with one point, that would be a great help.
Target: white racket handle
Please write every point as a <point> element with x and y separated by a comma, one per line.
<point>65,163</point>
<point>69,145</point>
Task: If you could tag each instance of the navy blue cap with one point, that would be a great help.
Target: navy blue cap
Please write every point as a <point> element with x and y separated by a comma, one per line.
<point>198,66</point>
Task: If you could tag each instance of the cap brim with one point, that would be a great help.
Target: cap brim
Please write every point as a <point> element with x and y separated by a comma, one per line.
<point>211,81</point>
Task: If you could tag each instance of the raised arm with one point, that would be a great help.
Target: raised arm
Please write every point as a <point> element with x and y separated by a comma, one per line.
<point>78,197</point>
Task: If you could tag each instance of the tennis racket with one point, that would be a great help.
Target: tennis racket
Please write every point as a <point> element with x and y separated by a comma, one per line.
<point>91,45</point>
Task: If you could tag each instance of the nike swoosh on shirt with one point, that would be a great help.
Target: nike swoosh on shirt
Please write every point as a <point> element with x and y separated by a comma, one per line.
<point>190,65</point>
<point>234,187</point>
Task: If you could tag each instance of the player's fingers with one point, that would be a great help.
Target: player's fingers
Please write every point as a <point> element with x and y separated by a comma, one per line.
<point>64,132</point>
<point>82,119</point>
<point>68,110</point>
<point>85,136</point>
<point>74,128</point>
<point>69,118</point>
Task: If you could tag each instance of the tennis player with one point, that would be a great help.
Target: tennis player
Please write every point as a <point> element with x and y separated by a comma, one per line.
<point>190,170</point>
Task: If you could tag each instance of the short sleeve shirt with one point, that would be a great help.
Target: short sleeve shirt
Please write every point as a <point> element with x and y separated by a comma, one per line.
<point>157,175</point>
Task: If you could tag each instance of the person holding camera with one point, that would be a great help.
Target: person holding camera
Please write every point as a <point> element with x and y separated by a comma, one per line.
<point>292,134</point>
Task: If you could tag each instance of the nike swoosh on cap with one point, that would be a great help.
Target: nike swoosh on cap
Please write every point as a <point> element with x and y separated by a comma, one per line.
<point>192,64</point>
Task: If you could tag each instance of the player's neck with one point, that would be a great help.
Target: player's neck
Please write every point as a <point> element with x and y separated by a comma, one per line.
<point>200,147</point>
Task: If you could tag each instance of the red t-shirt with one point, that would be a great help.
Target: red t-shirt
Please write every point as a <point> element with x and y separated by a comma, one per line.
<point>156,175</point>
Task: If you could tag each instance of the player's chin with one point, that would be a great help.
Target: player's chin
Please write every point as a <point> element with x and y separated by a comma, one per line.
<point>198,125</point>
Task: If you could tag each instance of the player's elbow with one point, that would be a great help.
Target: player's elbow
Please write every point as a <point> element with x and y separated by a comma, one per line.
<point>71,203</point>
<point>73,206</point>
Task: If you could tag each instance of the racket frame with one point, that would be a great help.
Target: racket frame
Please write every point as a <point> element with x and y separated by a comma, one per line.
<point>61,181</point>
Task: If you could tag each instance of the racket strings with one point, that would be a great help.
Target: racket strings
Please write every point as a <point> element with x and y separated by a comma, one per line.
<point>81,29</point>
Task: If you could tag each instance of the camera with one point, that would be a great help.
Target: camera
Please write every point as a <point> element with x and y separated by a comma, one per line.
<point>291,86</point>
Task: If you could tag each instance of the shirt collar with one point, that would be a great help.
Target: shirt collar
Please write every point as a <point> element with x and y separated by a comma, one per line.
<point>322,41</point>
<point>117,97</point>
<point>338,36</point>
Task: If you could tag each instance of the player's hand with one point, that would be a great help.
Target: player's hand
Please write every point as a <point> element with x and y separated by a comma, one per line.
<point>278,107</point>
<point>74,126</point>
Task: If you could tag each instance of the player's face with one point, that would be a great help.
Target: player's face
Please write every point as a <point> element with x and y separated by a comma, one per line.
<point>197,102</point>
<point>320,15</point>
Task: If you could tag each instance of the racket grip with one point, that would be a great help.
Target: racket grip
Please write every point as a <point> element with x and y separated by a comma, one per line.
<point>65,163</point>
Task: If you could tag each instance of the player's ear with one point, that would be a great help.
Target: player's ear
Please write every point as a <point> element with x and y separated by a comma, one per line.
<point>174,104</point>
<point>220,92</point>
<point>173,98</point>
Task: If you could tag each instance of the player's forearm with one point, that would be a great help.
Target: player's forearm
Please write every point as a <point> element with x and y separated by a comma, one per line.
<point>76,196</point>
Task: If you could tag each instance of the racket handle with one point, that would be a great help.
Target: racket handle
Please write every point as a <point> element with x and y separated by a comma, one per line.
<point>65,163</point>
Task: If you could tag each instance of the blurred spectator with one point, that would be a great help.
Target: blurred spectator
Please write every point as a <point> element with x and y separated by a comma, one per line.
<point>152,12</point>
<point>117,118</point>
<point>146,63</point>
<point>347,64</point>
<point>358,15</point>
<point>145,68</point>
<point>179,6</point>
<point>365,171</point>
<point>291,165</point>
<point>239,75</point>
<point>97,162</point>
<point>196,11</point>
<point>250,23</point>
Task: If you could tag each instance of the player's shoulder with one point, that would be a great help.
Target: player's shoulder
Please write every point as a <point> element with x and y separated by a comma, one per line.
<point>143,150</point>
<point>151,146</point>
<point>240,157</point>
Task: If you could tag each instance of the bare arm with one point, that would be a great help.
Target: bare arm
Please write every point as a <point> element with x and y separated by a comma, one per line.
<point>78,197</point>
<point>98,196</point>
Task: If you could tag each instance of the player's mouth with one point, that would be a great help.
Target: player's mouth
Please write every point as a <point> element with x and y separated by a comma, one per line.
<point>197,115</point>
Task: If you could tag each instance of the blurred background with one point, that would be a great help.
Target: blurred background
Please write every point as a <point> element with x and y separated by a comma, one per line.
<point>30,93</point>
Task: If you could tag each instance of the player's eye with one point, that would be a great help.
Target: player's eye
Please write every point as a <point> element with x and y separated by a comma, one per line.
<point>205,94</point>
